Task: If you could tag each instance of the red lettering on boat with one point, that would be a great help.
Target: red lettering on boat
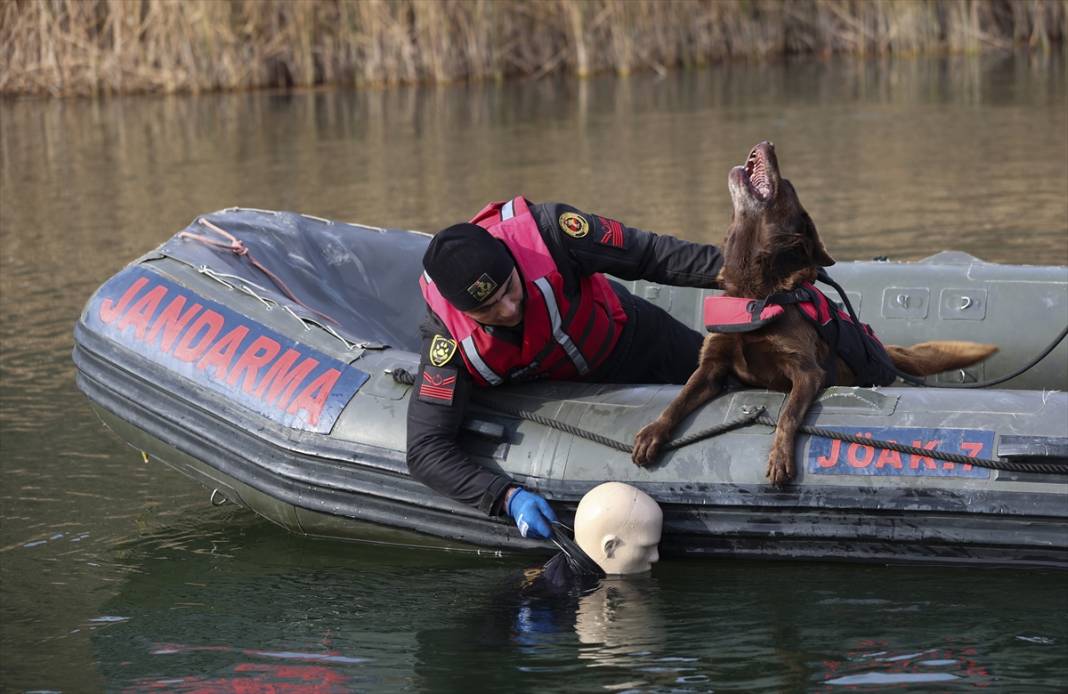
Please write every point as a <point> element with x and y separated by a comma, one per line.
<point>858,461</point>
<point>262,350</point>
<point>283,378</point>
<point>223,352</point>
<point>313,398</point>
<point>109,311</point>
<point>889,458</point>
<point>972,449</point>
<point>185,350</point>
<point>141,312</point>
<point>831,459</point>
<point>928,463</point>
<point>170,322</point>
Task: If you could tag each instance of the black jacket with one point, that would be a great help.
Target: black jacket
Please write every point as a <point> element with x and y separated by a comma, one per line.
<point>434,457</point>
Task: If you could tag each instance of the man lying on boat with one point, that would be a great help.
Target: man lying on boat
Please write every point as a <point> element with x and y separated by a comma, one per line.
<point>518,294</point>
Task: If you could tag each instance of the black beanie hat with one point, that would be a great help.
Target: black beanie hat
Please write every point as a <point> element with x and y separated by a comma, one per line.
<point>467,264</point>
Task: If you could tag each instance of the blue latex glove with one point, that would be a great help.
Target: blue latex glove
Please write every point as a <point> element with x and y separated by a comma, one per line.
<point>532,514</point>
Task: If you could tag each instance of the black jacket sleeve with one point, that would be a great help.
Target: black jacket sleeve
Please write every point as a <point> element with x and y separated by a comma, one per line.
<point>435,413</point>
<point>592,243</point>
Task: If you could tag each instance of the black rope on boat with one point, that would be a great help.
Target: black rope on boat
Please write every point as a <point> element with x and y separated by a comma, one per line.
<point>759,416</point>
<point>743,421</point>
<point>403,376</point>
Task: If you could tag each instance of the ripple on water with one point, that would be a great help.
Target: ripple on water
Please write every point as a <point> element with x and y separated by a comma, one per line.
<point>887,679</point>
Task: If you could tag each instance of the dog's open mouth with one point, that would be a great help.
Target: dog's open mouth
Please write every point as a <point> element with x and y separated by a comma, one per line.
<point>756,184</point>
<point>756,171</point>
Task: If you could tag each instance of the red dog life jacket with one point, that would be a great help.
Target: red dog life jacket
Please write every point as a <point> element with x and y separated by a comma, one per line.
<point>862,352</point>
<point>564,337</point>
<point>732,314</point>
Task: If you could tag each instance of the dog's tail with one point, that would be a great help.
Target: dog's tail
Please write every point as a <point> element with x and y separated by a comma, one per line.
<point>929,358</point>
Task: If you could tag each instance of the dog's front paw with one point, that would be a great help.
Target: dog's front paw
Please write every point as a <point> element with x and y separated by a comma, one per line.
<point>780,468</point>
<point>647,443</point>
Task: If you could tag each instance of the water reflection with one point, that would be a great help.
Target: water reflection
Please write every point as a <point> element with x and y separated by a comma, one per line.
<point>249,606</point>
<point>899,156</point>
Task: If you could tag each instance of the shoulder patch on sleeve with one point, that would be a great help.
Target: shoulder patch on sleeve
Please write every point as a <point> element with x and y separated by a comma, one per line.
<point>574,225</point>
<point>437,385</point>
<point>441,350</point>
<point>611,232</point>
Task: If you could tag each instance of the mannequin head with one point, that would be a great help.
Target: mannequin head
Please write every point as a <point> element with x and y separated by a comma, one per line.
<point>619,527</point>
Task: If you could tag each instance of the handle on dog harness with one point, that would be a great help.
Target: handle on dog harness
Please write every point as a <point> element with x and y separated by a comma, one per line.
<point>729,314</point>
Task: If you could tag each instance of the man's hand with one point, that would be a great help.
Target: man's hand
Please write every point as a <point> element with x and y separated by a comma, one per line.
<point>532,514</point>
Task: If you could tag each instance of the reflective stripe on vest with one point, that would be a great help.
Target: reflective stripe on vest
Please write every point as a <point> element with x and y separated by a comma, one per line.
<point>508,211</point>
<point>562,338</point>
<point>475,359</point>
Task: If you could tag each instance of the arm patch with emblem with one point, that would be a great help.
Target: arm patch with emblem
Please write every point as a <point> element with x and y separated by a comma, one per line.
<point>611,233</point>
<point>441,350</point>
<point>437,385</point>
<point>574,225</point>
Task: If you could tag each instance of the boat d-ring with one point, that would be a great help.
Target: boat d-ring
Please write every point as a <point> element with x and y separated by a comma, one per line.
<point>221,496</point>
<point>965,302</point>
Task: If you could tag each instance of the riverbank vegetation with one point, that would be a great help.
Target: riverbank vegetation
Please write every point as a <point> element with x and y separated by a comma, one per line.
<point>62,47</point>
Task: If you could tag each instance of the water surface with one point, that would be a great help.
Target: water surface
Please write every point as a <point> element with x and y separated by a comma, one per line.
<point>119,574</point>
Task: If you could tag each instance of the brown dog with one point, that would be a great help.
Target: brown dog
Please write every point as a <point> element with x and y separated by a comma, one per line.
<point>772,246</point>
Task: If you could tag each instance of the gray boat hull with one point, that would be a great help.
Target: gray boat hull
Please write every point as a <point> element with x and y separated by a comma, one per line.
<point>336,467</point>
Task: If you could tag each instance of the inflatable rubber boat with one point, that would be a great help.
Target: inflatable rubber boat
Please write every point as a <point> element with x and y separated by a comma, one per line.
<point>262,353</point>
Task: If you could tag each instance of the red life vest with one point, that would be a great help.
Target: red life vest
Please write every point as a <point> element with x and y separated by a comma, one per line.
<point>564,337</point>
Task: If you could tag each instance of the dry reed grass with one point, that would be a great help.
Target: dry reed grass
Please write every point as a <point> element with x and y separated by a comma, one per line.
<point>64,47</point>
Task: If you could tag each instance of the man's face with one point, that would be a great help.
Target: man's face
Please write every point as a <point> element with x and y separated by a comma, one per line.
<point>505,307</point>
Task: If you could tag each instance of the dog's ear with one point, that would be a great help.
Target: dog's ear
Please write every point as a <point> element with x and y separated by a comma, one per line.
<point>819,252</point>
